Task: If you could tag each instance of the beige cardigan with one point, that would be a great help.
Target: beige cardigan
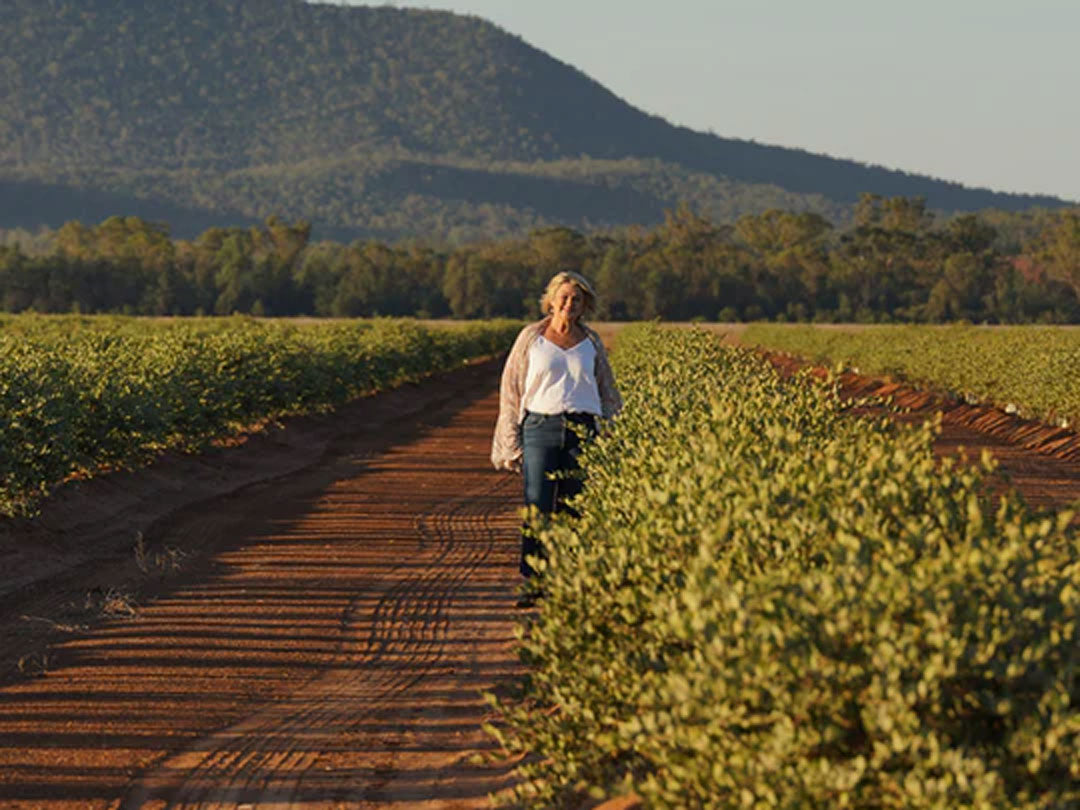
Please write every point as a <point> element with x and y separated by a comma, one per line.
<point>506,444</point>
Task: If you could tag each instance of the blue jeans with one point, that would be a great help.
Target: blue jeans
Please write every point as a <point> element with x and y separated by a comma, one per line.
<point>550,446</point>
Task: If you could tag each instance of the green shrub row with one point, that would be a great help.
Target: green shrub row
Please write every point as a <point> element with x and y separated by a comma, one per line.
<point>769,603</point>
<point>1034,371</point>
<point>82,394</point>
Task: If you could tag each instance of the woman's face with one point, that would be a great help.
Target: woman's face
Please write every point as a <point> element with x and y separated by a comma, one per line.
<point>568,301</point>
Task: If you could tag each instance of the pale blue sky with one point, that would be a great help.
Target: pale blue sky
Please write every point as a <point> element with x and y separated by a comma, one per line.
<point>983,92</point>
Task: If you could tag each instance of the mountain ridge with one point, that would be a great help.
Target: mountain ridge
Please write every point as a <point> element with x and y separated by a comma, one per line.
<point>209,106</point>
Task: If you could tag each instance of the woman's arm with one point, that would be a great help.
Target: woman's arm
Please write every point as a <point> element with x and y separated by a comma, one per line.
<point>610,399</point>
<point>506,443</point>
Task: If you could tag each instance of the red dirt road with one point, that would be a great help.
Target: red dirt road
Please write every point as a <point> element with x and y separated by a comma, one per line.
<point>325,646</point>
<point>341,603</point>
<point>1041,461</point>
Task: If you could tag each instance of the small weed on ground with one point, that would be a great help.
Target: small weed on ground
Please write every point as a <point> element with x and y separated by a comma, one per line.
<point>111,602</point>
<point>34,663</point>
<point>163,561</point>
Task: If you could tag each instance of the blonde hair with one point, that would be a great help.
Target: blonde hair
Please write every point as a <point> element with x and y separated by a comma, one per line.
<point>579,281</point>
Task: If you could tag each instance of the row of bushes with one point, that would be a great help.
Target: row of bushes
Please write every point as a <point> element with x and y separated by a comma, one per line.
<point>1034,371</point>
<point>81,394</point>
<point>766,603</point>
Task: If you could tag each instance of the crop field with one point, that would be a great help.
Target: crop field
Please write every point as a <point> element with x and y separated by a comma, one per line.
<point>80,394</point>
<point>767,603</point>
<point>1030,370</point>
<point>773,596</point>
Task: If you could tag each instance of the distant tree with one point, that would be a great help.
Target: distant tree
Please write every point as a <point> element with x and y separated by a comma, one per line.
<point>236,275</point>
<point>968,232</point>
<point>1058,249</point>
<point>908,214</point>
<point>956,295</point>
<point>614,281</point>
<point>789,258</point>
<point>553,249</point>
<point>315,277</point>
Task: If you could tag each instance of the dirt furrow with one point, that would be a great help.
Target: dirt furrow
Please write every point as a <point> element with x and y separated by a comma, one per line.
<point>270,754</point>
<point>328,648</point>
<point>264,760</point>
<point>1040,461</point>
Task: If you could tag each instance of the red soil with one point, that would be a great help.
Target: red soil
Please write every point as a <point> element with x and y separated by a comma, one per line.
<point>325,642</point>
<point>1041,461</point>
<point>344,593</point>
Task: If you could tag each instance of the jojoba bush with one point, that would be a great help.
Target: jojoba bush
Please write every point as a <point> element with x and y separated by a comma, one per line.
<point>768,603</point>
<point>1030,370</point>
<point>78,394</point>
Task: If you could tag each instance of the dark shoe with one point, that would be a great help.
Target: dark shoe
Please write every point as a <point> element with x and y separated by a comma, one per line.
<point>529,599</point>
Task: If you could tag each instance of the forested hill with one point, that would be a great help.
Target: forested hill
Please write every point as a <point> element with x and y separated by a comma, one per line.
<point>367,121</point>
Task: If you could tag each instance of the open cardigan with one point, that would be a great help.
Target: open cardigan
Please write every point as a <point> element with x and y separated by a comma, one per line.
<point>506,444</point>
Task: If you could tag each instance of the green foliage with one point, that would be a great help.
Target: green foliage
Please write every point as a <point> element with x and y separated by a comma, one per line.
<point>897,265</point>
<point>1029,370</point>
<point>766,603</point>
<point>1059,248</point>
<point>80,394</point>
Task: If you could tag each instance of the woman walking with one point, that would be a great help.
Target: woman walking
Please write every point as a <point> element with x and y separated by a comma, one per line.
<point>557,374</point>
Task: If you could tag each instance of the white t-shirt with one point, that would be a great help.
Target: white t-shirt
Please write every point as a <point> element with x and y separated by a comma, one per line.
<point>561,380</point>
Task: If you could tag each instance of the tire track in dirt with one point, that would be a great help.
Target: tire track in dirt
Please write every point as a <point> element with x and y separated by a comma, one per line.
<point>90,524</point>
<point>331,652</point>
<point>264,759</point>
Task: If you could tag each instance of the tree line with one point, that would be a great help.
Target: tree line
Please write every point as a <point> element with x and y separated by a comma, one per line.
<point>897,262</point>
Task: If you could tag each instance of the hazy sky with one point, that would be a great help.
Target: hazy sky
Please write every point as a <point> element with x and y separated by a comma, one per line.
<point>984,92</point>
